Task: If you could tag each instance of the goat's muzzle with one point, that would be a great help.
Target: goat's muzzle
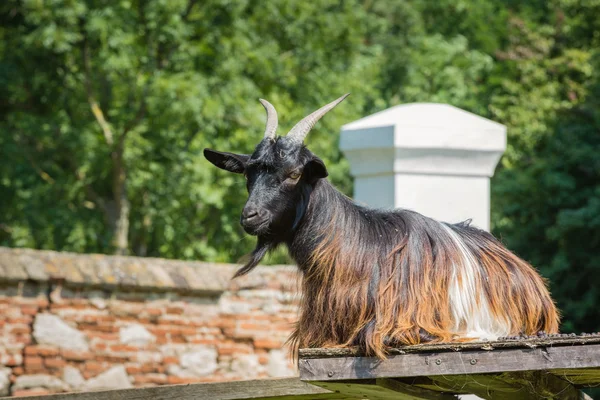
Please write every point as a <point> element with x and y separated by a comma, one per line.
<point>255,220</point>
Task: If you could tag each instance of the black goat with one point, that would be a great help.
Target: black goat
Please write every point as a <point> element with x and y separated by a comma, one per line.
<point>374,278</point>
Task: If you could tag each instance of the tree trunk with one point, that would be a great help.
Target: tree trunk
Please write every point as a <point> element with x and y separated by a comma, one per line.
<point>121,229</point>
<point>122,206</point>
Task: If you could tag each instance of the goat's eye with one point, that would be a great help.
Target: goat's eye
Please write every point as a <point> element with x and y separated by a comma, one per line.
<point>295,175</point>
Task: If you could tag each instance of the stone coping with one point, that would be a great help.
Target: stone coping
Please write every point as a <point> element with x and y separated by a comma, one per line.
<point>116,272</point>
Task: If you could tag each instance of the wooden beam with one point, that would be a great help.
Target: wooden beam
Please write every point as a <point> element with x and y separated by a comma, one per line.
<point>529,343</point>
<point>580,377</point>
<point>267,389</point>
<point>382,389</point>
<point>450,363</point>
<point>510,386</point>
<point>413,392</point>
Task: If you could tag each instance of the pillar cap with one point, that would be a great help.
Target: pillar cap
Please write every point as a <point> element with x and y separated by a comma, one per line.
<point>425,138</point>
<point>424,125</point>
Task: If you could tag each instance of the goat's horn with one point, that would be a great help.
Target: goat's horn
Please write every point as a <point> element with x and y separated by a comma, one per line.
<point>271,127</point>
<point>301,129</point>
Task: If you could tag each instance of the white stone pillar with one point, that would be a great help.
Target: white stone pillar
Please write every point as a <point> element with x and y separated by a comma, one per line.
<point>432,158</point>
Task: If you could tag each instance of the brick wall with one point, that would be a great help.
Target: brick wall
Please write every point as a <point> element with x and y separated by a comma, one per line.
<point>86,322</point>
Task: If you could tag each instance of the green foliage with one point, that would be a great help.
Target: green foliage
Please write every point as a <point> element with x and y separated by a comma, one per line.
<point>107,106</point>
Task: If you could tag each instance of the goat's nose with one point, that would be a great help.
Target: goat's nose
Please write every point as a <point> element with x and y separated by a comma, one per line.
<point>249,212</point>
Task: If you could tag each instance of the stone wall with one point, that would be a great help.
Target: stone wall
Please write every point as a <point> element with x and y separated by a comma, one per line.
<point>73,322</point>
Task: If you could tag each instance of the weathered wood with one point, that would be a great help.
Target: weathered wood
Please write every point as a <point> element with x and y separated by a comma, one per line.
<point>268,389</point>
<point>510,386</point>
<point>413,392</point>
<point>451,363</point>
<point>457,346</point>
<point>382,389</point>
<point>488,387</point>
<point>581,377</point>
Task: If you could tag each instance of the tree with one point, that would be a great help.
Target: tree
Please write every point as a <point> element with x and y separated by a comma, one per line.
<point>109,105</point>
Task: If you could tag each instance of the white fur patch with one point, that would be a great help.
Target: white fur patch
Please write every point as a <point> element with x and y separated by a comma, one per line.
<point>473,319</point>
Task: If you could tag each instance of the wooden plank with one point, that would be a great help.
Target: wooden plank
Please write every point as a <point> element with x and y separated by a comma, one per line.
<point>487,387</point>
<point>450,363</point>
<point>439,347</point>
<point>413,392</point>
<point>510,386</point>
<point>267,389</point>
<point>382,389</point>
<point>580,377</point>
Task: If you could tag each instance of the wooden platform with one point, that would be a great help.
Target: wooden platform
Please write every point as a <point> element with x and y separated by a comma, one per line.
<point>531,368</point>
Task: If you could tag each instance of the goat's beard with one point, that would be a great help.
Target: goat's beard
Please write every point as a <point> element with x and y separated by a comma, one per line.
<point>263,246</point>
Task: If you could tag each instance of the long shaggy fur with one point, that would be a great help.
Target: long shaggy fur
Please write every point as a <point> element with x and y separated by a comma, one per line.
<point>375,279</point>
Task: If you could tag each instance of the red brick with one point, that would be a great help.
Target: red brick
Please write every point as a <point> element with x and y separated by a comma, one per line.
<point>188,331</point>
<point>153,311</point>
<point>268,344</point>
<point>175,380</point>
<point>178,321</point>
<point>222,323</point>
<point>25,319</point>
<point>137,379</point>
<point>95,319</point>
<point>88,374</point>
<point>77,355</point>
<point>113,358</point>
<point>162,340</point>
<point>255,317</point>
<point>170,329</point>
<point>20,329</point>
<point>160,330</point>
<point>253,327</point>
<point>160,379</point>
<point>18,371</point>
<point>55,362</point>
<point>41,350</point>
<point>100,327</point>
<point>174,310</point>
<point>229,348</point>
<point>133,369</point>
<point>204,341</point>
<point>33,361</point>
<point>35,370</point>
<point>100,346</point>
<point>171,360</point>
<point>93,366</point>
<point>28,310</point>
<point>263,359</point>
<point>122,348</point>
<point>30,392</point>
<point>148,368</point>
<point>178,339</point>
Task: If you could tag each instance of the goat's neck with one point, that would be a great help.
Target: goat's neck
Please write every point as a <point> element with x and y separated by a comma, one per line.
<point>325,207</point>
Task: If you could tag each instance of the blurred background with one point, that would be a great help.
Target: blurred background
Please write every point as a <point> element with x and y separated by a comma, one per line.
<point>107,105</point>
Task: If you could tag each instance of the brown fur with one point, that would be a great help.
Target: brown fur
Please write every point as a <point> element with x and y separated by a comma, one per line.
<point>360,291</point>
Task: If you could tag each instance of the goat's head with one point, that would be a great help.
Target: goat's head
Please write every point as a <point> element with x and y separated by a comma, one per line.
<point>280,175</point>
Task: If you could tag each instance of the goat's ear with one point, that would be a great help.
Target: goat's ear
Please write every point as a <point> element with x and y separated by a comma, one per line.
<point>228,161</point>
<point>315,169</point>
